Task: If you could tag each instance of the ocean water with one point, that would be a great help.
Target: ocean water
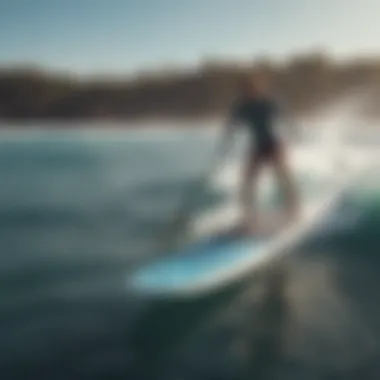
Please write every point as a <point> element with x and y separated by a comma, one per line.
<point>78,210</point>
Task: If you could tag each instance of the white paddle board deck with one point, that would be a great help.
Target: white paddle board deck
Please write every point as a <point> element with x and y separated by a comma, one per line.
<point>219,259</point>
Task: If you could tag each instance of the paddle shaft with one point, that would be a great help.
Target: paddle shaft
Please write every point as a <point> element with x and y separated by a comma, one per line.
<point>182,217</point>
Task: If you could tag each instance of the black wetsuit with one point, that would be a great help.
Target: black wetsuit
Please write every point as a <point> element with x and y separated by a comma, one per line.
<point>259,116</point>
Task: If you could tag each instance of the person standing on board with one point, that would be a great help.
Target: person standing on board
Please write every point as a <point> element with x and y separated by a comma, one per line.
<point>258,111</point>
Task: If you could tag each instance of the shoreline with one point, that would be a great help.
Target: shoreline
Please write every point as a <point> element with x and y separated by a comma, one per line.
<point>117,124</point>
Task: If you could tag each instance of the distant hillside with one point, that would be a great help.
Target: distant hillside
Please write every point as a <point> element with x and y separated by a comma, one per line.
<point>307,82</point>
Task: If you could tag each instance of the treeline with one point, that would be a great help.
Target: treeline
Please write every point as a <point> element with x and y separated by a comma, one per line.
<point>307,82</point>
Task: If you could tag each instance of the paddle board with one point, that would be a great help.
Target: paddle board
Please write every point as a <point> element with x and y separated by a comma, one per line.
<point>221,258</point>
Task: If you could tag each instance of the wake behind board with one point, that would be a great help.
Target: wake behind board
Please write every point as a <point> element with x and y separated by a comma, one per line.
<point>219,259</point>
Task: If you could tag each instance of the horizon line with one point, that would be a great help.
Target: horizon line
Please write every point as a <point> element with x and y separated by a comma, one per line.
<point>180,68</point>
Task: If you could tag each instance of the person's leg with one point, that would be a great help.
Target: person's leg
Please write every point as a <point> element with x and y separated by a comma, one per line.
<point>248,191</point>
<point>287,184</point>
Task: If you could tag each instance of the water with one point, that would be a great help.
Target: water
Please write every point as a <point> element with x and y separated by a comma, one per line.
<point>77,210</point>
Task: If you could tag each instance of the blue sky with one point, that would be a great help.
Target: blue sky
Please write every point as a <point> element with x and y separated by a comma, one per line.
<point>120,36</point>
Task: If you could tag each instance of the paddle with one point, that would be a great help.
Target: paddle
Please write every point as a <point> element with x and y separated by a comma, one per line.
<point>177,226</point>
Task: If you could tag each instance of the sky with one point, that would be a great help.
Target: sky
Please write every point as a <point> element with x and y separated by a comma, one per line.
<point>126,36</point>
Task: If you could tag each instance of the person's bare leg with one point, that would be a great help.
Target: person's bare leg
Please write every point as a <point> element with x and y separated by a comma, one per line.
<point>248,193</point>
<point>288,186</point>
